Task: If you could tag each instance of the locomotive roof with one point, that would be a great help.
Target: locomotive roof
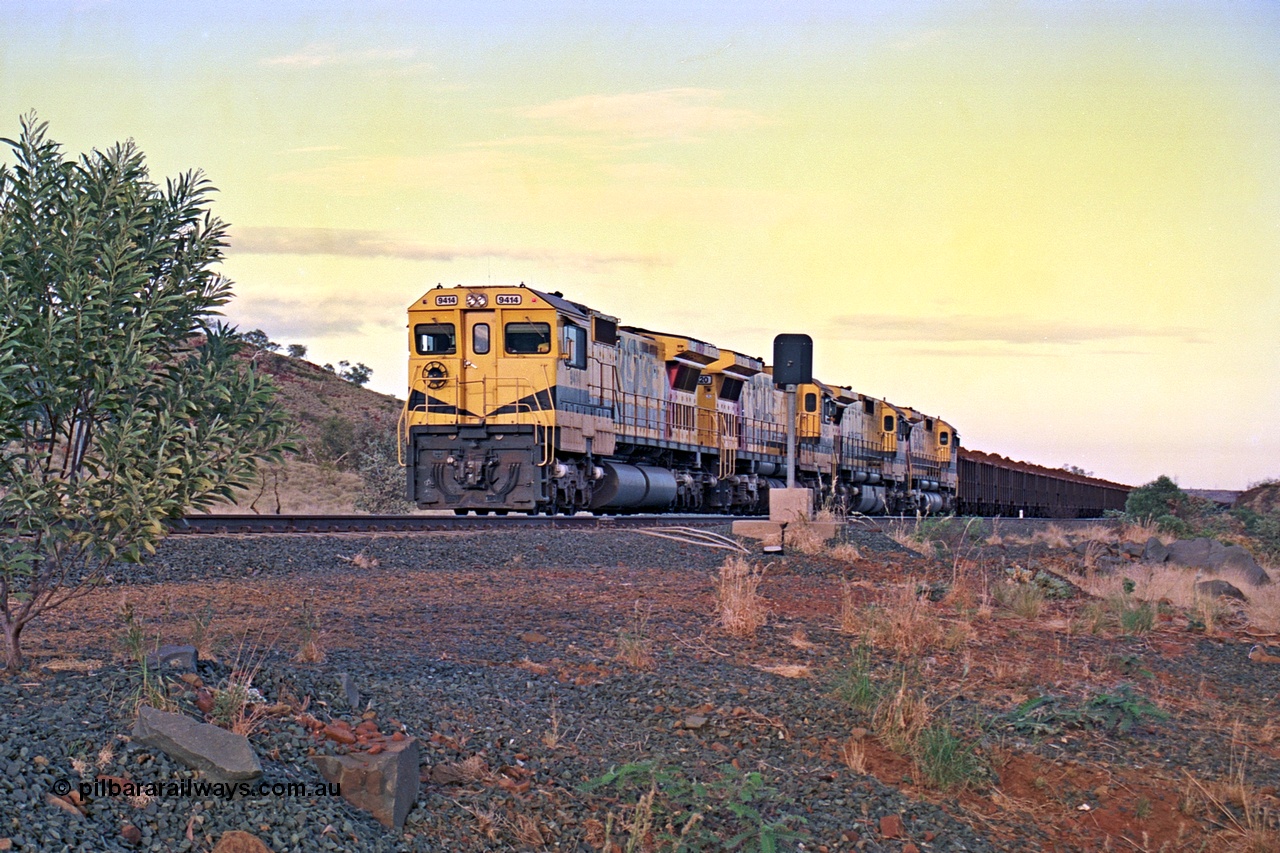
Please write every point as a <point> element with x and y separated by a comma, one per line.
<point>558,302</point>
<point>639,331</point>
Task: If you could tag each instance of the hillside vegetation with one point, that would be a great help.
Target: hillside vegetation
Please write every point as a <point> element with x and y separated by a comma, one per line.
<point>342,429</point>
<point>1252,522</point>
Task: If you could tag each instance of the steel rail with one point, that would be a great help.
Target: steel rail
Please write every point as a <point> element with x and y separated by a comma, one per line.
<point>264,524</point>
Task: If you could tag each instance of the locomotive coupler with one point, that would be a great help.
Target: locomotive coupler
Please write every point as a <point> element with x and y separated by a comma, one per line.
<point>474,471</point>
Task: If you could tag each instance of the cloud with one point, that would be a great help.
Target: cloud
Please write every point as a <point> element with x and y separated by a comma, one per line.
<point>356,243</point>
<point>666,113</point>
<point>291,319</point>
<point>1007,329</point>
<point>319,55</point>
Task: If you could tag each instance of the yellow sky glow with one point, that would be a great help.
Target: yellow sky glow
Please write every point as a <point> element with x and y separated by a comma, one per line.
<point>1055,227</point>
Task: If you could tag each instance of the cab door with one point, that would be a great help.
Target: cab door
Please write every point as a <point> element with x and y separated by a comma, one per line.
<point>477,389</point>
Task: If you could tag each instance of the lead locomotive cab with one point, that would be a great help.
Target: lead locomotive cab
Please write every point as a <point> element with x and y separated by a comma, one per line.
<point>488,370</point>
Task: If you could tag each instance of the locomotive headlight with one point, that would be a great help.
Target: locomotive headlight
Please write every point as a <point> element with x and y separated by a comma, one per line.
<point>477,300</point>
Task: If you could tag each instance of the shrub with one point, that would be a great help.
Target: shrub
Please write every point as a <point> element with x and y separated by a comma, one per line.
<point>337,440</point>
<point>1049,714</point>
<point>382,488</point>
<point>853,684</point>
<point>945,760</point>
<point>730,810</point>
<point>1158,498</point>
<point>122,403</point>
<point>1023,599</point>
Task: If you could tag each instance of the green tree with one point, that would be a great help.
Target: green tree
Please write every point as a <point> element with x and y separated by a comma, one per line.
<point>258,339</point>
<point>121,400</point>
<point>356,374</point>
<point>1158,498</point>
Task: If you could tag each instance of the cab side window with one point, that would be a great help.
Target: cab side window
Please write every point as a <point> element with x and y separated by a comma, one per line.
<point>575,346</point>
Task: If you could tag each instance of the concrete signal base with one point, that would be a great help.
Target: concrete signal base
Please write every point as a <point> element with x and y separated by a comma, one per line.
<point>790,505</point>
<point>793,507</point>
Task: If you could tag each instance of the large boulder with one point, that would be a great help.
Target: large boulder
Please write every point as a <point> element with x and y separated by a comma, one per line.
<point>221,755</point>
<point>1211,556</point>
<point>1218,588</point>
<point>385,785</point>
<point>1195,553</point>
<point>1239,562</point>
<point>1155,551</point>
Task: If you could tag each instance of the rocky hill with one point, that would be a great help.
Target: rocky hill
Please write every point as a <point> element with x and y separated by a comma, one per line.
<point>335,419</point>
<point>1263,498</point>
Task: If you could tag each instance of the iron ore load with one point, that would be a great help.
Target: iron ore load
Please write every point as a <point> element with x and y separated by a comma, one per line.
<point>521,400</point>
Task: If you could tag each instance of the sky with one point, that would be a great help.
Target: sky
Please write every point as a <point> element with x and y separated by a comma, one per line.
<point>1055,225</point>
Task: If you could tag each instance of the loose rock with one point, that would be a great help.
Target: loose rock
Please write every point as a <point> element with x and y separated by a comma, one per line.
<point>384,785</point>
<point>174,658</point>
<point>223,755</point>
<point>1216,588</point>
<point>237,841</point>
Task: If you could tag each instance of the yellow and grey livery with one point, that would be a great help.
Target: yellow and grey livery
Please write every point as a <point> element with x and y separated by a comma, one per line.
<point>524,400</point>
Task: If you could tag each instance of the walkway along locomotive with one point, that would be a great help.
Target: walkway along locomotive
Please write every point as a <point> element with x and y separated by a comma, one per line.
<point>521,400</point>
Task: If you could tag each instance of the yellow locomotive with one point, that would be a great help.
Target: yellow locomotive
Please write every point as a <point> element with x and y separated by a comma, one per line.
<point>521,400</point>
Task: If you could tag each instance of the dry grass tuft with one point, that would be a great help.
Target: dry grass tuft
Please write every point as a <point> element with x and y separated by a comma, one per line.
<point>845,552</point>
<point>740,608</point>
<point>237,704</point>
<point>1250,827</point>
<point>853,753</point>
<point>635,647</point>
<point>1101,533</point>
<point>900,716</point>
<point>527,831</point>
<point>786,670</point>
<point>362,561</point>
<point>1177,586</point>
<point>486,821</point>
<point>1263,607</point>
<point>806,539</point>
<point>1025,600</point>
<point>908,536</point>
<point>551,738</point>
<point>800,640</point>
<point>905,624</point>
<point>1141,532</point>
<point>202,634</point>
<point>1051,536</point>
<point>472,769</point>
<point>850,617</point>
<point>308,624</point>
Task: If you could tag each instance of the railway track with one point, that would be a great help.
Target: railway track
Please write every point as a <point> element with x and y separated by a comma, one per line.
<point>226,524</point>
<point>263,524</point>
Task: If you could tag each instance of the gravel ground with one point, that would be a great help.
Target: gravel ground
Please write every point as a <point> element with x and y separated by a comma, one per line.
<point>521,683</point>
<point>521,706</point>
